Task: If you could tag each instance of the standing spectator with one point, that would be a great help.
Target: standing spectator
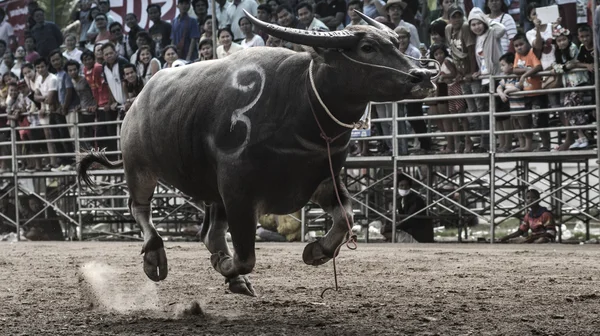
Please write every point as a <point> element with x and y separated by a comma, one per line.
<point>8,62</point>
<point>487,53</point>
<point>440,53</point>
<point>526,65</point>
<point>413,109</point>
<point>200,8</point>
<point>332,13</point>
<point>30,78</point>
<point>355,19</point>
<point>82,14</point>
<point>146,65</point>
<point>251,40</point>
<point>443,12</point>
<point>46,34</point>
<point>6,29</point>
<point>71,52</point>
<point>566,58</point>
<point>19,61</point>
<point>103,35</point>
<point>585,59</point>
<point>120,40</point>
<point>47,95</point>
<point>113,74</point>
<point>373,8</point>
<point>207,29</point>
<point>104,8</point>
<point>263,14</point>
<point>498,12</point>
<point>395,9</point>
<point>143,39</point>
<point>185,32</point>
<point>221,12</point>
<point>597,27</point>
<point>160,30</point>
<point>307,18</point>
<point>540,38</point>
<point>133,84</point>
<point>236,11</point>
<point>131,21</point>
<point>3,68</point>
<point>66,113</point>
<point>227,46</point>
<point>506,86</point>
<point>30,54</point>
<point>462,50</point>
<point>92,71</point>
<point>87,106</point>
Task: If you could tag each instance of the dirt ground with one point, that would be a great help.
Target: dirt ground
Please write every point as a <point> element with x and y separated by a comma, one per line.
<point>385,290</point>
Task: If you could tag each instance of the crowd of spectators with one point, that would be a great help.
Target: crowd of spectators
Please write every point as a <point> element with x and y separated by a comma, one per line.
<point>92,70</point>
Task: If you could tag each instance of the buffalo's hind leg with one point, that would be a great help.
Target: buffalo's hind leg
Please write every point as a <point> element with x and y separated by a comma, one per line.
<point>221,257</point>
<point>141,188</point>
<point>321,251</point>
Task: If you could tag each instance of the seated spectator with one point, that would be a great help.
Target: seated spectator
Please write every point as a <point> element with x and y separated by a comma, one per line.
<point>133,83</point>
<point>331,13</point>
<point>7,208</point>
<point>355,19</point>
<point>147,65</point>
<point>539,220</point>
<point>227,46</point>
<point>409,203</point>
<point>307,18</point>
<point>206,50</point>
<point>44,226</point>
<point>250,39</point>
<point>171,57</point>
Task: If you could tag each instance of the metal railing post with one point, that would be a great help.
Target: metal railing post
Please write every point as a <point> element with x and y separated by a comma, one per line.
<point>15,169</point>
<point>492,108</point>
<point>77,150</point>
<point>395,167</point>
<point>596,76</point>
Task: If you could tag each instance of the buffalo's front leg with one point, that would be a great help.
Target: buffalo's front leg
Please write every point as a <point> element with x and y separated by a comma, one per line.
<point>321,251</point>
<point>221,258</point>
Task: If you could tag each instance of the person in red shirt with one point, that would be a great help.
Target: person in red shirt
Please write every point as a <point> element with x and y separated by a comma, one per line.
<point>93,75</point>
<point>539,220</point>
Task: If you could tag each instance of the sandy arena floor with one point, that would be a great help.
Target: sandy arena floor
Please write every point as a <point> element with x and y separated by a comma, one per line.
<point>386,290</point>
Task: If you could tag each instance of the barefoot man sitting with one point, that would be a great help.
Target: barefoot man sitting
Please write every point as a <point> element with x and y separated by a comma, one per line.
<point>538,219</point>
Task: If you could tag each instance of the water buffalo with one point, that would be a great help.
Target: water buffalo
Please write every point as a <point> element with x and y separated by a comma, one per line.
<point>243,135</point>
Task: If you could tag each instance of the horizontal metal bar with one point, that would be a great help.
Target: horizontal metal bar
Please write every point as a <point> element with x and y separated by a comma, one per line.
<point>547,129</point>
<point>439,134</point>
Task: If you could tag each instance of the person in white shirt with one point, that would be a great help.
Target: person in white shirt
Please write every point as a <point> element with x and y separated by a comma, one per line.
<point>72,53</point>
<point>227,46</point>
<point>235,12</point>
<point>251,39</point>
<point>395,9</point>
<point>6,29</point>
<point>47,95</point>
<point>307,18</point>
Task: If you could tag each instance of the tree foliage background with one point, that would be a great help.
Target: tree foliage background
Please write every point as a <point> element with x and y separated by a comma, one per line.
<point>58,11</point>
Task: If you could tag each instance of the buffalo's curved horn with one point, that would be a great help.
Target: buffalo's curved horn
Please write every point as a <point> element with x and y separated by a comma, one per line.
<point>376,24</point>
<point>340,39</point>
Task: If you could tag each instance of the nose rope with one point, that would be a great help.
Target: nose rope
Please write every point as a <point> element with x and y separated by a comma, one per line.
<point>422,60</point>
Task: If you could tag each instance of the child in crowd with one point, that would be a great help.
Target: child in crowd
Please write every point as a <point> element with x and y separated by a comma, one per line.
<point>444,81</point>
<point>526,65</point>
<point>566,53</point>
<point>515,103</point>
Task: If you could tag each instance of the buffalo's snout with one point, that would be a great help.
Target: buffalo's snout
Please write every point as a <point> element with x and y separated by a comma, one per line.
<point>421,75</point>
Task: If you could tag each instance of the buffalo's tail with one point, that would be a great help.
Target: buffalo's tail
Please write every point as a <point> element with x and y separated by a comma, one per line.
<point>87,159</point>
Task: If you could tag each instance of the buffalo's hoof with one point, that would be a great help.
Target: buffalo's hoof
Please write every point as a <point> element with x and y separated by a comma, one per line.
<point>223,264</point>
<point>241,285</point>
<point>155,259</point>
<point>314,254</point>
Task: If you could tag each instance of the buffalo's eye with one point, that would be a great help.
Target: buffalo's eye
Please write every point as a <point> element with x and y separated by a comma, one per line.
<point>367,48</point>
